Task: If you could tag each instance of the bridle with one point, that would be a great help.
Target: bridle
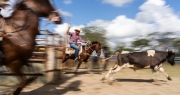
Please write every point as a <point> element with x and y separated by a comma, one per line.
<point>88,46</point>
<point>24,27</point>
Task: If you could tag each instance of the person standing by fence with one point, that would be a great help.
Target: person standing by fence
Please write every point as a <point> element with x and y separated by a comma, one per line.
<point>106,55</point>
<point>95,59</point>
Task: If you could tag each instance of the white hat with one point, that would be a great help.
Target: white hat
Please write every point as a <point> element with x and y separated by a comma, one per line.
<point>77,29</point>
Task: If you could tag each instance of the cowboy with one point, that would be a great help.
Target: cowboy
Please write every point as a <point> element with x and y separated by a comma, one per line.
<point>74,39</point>
<point>7,8</point>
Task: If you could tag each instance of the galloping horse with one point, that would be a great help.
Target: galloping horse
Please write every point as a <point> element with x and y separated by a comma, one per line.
<point>19,33</point>
<point>86,52</point>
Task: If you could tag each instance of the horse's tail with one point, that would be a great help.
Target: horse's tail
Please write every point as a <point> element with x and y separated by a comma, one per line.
<point>103,60</point>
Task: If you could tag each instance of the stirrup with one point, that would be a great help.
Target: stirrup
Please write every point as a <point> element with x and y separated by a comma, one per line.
<point>76,59</point>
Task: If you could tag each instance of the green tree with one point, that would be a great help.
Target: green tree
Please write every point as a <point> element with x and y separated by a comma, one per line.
<point>164,39</point>
<point>94,33</point>
<point>140,43</point>
<point>176,44</point>
<point>123,47</point>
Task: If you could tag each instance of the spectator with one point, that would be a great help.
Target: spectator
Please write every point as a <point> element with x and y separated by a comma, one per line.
<point>106,55</point>
<point>95,60</point>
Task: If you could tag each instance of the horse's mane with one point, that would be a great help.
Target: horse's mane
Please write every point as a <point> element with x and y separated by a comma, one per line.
<point>95,42</point>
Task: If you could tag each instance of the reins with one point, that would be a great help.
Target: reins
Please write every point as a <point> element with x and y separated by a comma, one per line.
<point>24,27</point>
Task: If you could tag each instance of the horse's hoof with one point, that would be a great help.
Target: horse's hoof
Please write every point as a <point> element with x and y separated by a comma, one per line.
<point>169,78</point>
<point>103,78</point>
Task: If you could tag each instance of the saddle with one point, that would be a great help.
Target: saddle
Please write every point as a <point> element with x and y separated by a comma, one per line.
<point>71,51</point>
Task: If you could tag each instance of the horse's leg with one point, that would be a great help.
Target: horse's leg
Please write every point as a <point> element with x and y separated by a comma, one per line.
<point>23,85</point>
<point>79,64</point>
<point>64,59</point>
<point>63,63</point>
<point>16,68</point>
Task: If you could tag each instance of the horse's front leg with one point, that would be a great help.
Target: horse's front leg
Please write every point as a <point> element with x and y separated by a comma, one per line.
<point>79,64</point>
<point>16,67</point>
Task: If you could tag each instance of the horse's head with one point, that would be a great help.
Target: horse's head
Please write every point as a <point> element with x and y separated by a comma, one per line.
<point>44,9</point>
<point>97,47</point>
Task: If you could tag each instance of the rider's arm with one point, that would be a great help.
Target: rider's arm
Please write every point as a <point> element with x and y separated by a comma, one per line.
<point>81,40</point>
<point>67,32</point>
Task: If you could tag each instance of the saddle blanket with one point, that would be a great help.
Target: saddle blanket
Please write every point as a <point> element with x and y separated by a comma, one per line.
<point>70,50</point>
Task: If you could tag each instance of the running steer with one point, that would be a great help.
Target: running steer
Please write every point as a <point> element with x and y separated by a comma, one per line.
<point>150,59</point>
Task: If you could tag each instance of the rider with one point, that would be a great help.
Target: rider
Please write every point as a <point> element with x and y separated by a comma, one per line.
<point>7,8</point>
<point>74,39</point>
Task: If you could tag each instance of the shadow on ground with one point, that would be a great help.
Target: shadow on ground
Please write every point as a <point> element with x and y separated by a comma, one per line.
<point>55,88</point>
<point>139,80</point>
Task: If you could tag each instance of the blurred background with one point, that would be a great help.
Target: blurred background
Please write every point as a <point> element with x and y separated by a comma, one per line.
<point>129,25</point>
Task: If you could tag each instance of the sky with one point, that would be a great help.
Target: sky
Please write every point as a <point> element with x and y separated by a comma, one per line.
<point>124,20</point>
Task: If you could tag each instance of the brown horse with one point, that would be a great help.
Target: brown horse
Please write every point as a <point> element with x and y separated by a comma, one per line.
<point>19,32</point>
<point>86,53</point>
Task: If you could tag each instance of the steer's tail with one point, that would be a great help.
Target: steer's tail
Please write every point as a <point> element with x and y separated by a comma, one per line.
<point>103,60</point>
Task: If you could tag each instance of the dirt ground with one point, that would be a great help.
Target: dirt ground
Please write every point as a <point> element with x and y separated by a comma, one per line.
<point>127,82</point>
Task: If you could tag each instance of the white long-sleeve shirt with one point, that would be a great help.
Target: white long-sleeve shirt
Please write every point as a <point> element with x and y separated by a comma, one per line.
<point>8,9</point>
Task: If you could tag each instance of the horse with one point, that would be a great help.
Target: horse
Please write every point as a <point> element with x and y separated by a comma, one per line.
<point>86,53</point>
<point>19,33</point>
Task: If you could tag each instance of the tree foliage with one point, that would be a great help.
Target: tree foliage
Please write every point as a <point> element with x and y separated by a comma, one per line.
<point>140,42</point>
<point>165,39</point>
<point>94,33</point>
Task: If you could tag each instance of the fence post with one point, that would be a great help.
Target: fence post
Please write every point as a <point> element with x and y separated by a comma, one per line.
<point>53,73</point>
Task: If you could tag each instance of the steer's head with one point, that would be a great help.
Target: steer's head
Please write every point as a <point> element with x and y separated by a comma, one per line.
<point>170,57</point>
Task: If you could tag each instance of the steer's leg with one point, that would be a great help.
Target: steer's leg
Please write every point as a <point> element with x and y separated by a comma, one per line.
<point>110,72</point>
<point>163,71</point>
<point>155,75</point>
<point>114,71</point>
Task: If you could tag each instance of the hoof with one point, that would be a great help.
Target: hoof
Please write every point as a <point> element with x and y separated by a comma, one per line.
<point>169,78</point>
<point>110,82</point>
<point>103,79</point>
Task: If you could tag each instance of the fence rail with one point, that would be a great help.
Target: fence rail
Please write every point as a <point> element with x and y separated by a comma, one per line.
<point>47,55</point>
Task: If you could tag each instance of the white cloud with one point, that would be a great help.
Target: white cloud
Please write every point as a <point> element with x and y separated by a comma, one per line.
<point>117,3</point>
<point>67,1</point>
<point>154,16</point>
<point>122,29</point>
<point>65,13</point>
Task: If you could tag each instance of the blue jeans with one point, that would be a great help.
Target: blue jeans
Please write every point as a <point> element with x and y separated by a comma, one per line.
<point>74,46</point>
<point>1,54</point>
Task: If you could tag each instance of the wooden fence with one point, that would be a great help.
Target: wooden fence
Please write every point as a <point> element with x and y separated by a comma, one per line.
<point>48,52</point>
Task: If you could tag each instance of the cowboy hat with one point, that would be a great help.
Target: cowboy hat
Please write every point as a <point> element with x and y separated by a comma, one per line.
<point>77,29</point>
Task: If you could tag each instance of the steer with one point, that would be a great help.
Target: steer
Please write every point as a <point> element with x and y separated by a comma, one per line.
<point>150,59</point>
